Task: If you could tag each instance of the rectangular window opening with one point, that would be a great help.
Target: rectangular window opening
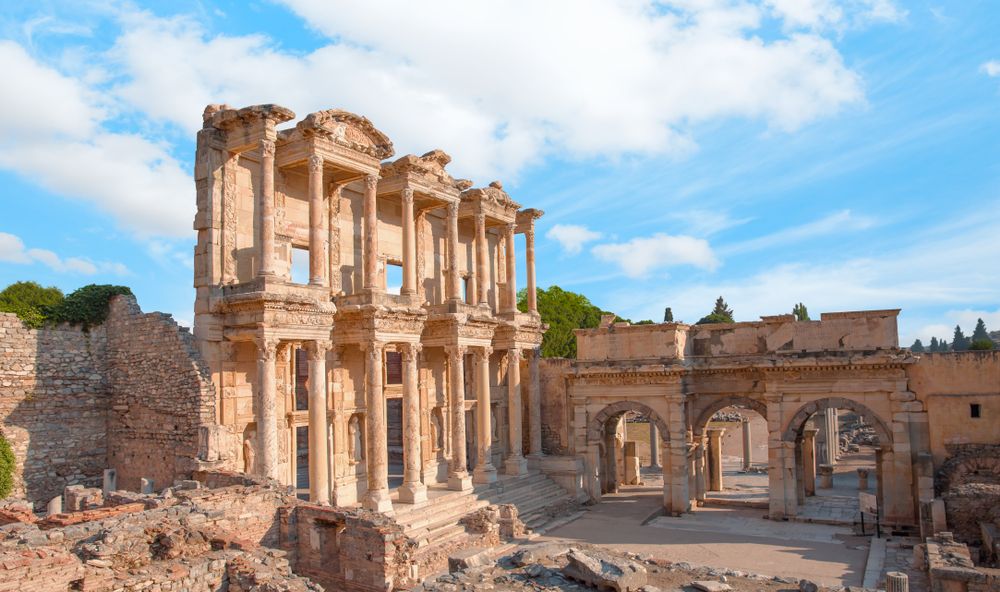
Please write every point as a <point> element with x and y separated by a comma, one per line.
<point>465,289</point>
<point>393,368</point>
<point>393,277</point>
<point>975,410</point>
<point>300,265</point>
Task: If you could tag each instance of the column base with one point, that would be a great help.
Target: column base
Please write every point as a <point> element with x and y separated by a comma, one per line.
<point>534,461</point>
<point>515,465</point>
<point>460,481</point>
<point>412,493</point>
<point>377,501</point>
<point>484,473</point>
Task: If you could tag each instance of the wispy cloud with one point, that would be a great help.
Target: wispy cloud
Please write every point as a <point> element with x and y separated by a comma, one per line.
<point>991,68</point>
<point>572,237</point>
<point>640,256</point>
<point>842,221</point>
<point>13,250</point>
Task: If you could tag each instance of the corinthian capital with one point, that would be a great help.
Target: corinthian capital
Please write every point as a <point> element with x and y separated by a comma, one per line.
<point>267,148</point>
<point>455,351</point>
<point>409,351</point>
<point>407,195</point>
<point>317,349</point>
<point>315,163</point>
<point>371,182</point>
<point>267,348</point>
<point>452,209</point>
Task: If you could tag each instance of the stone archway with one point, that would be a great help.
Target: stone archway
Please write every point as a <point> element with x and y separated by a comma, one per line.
<point>707,461</point>
<point>601,443</point>
<point>791,479</point>
<point>698,427</point>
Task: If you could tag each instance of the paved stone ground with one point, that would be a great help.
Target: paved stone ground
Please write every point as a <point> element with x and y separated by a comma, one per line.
<point>724,537</point>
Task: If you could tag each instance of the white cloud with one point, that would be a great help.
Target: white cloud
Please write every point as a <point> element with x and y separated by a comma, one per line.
<point>707,222</point>
<point>13,250</point>
<point>398,64</point>
<point>991,68</point>
<point>640,256</point>
<point>572,237</point>
<point>838,222</point>
<point>834,14</point>
<point>51,133</point>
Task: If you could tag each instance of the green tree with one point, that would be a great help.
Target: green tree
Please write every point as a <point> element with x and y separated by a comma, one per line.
<point>720,314</point>
<point>668,315</point>
<point>800,312</point>
<point>917,347</point>
<point>981,345</point>
<point>943,345</point>
<point>87,306</point>
<point>32,303</point>
<point>562,311</point>
<point>935,346</point>
<point>980,333</point>
<point>959,342</point>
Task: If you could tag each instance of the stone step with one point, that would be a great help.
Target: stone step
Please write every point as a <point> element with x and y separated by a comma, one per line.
<point>439,515</point>
<point>543,494</point>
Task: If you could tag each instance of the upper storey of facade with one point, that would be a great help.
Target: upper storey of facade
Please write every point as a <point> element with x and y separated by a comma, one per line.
<point>299,222</point>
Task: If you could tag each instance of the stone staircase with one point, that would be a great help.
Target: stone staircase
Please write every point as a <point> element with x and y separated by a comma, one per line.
<point>436,522</point>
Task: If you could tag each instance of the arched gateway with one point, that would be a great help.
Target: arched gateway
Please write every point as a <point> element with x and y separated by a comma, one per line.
<point>785,370</point>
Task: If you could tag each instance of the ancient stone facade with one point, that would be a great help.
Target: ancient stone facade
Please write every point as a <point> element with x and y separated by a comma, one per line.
<point>129,395</point>
<point>788,371</point>
<point>432,376</point>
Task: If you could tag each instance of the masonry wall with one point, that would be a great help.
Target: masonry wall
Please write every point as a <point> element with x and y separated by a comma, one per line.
<point>555,411</point>
<point>161,396</point>
<point>54,403</point>
<point>131,394</point>
<point>949,384</point>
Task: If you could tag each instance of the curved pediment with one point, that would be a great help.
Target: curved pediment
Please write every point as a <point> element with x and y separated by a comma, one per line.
<point>492,195</point>
<point>347,129</point>
<point>430,166</point>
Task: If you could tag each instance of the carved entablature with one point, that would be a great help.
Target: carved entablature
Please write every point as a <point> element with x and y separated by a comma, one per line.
<point>509,335</point>
<point>425,174</point>
<point>368,323</point>
<point>348,130</point>
<point>458,329</point>
<point>492,201</point>
<point>525,220</point>
<point>245,127</point>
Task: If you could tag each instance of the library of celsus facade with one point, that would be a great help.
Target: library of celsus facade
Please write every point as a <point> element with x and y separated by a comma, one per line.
<point>400,346</point>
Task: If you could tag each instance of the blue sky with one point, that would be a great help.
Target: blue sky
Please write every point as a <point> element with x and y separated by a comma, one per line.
<point>842,153</point>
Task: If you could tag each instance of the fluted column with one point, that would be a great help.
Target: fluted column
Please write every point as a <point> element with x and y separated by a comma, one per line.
<point>654,444</point>
<point>319,464</point>
<point>534,404</point>
<point>515,463</point>
<point>377,457</point>
<point>482,260</point>
<point>454,291</point>
<point>458,474</point>
<point>333,239</point>
<point>266,204</point>
<point>747,446</point>
<point>485,471</point>
<point>511,269</point>
<point>317,223</point>
<point>529,255</point>
<point>409,245</point>
<point>371,234</point>
<point>413,490</point>
<point>265,411</point>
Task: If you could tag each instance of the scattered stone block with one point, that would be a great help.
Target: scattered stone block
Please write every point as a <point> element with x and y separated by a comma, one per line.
<point>605,571</point>
<point>146,485</point>
<point>55,506</point>
<point>808,586</point>
<point>474,557</point>
<point>710,586</point>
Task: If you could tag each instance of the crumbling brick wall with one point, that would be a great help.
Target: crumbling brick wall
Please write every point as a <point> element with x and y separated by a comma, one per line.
<point>162,397</point>
<point>53,406</point>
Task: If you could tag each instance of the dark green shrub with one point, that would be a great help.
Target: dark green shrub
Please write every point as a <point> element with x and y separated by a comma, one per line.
<point>87,306</point>
<point>32,303</point>
<point>6,468</point>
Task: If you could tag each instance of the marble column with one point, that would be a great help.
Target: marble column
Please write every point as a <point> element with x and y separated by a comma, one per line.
<point>833,436</point>
<point>654,444</point>
<point>458,472</point>
<point>747,449</point>
<point>266,204</point>
<point>715,458</point>
<point>454,290</point>
<point>265,411</point>
<point>529,254</point>
<point>482,260</point>
<point>809,461</point>
<point>377,457</point>
<point>485,472</point>
<point>534,404</point>
<point>412,490</point>
<point>699,471</point>
<point>515,463</point>
<point>317,223</point>
<point>409,245</point>
<point>511,286</point>
<point>371,234</point>
<point>319,467</point>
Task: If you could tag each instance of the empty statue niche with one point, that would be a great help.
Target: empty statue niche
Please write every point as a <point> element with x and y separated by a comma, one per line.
<point>394,415</point>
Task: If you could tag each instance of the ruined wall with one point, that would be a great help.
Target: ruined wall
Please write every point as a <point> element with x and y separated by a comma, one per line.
<point>53,406</point>
<point>161,396</point>
<point>555,406</point>
<point>130,394</point>
<point>949,384</point>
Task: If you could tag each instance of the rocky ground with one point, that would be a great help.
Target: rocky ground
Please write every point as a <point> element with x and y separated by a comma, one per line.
<point>581,568</point>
